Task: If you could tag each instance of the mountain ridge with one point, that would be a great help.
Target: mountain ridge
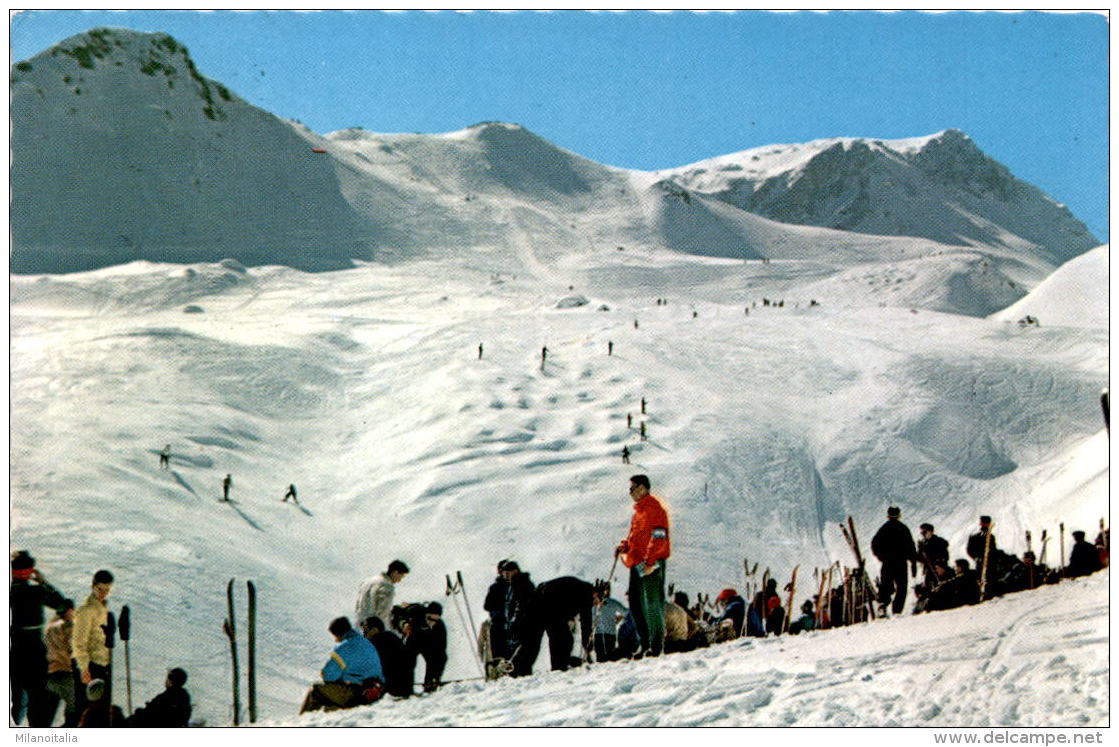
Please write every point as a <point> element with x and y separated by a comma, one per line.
<point>123,151</point>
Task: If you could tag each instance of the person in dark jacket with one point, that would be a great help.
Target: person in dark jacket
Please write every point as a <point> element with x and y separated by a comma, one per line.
<point>931,549</point>
<point>560,601</point>
<point>968,582</point>
<point>1027,574</point>
<point>171,708</point>
<point>893,546</point>
<point>1084,558</point>
<point>495,605</point>
<point>977,544</point>
<point>396,663</point>
<point>434,648</point>
<point>27,596</point>
<point>520,619</point>
<point>774,610</point>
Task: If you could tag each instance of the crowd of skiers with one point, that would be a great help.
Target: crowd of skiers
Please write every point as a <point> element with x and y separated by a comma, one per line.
<point>67,661</point>
<point>379,657</point>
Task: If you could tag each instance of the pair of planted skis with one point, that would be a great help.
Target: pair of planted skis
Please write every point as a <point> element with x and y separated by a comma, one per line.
<point>455,589</point>
<point>230,628</point>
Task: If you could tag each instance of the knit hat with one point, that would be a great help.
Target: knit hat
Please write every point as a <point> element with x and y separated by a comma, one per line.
<point>893,512</point>
<point>725,595</point>
<point>435,609</point>
<point>22,561</point>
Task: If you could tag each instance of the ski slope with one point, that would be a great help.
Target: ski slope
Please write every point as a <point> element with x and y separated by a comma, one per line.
<point>364,388</point>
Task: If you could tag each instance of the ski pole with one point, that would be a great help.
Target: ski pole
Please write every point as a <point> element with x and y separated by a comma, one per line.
<point>124,629</point>
<point>466,603</point>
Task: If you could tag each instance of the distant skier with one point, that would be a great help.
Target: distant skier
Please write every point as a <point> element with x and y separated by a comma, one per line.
<point>481,349</point>
<point>165,457</point>
<point>226,484</point>
<point>645,552</point>
<point>635,325</point>
<point>543,357</point>
<point>893,546</point>
<point>291,494</point>
<point>625,455</point>
<point>629,420</point>
<point>643,403</point>
<point>610,347</point>
<point>644,436</point>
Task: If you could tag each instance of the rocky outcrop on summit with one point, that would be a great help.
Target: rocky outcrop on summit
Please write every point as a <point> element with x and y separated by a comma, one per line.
<point>940,187</point>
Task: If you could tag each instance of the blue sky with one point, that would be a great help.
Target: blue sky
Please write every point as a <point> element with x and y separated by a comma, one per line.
<point>654,90</point>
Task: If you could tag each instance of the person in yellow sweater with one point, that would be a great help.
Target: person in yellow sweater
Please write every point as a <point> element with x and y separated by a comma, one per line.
<point>87,644</point>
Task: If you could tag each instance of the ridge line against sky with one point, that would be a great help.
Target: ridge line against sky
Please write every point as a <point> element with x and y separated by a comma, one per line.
<point>644,90</point>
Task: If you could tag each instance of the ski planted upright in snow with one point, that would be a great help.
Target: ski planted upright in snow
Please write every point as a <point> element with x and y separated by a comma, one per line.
<point>230,628</point>
<point>252,651</point>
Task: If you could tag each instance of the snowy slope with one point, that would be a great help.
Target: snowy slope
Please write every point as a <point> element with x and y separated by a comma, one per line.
<point>123,150</point>
<point>1076,295</point>
<point>1034,659</point>
<point>364,388</point>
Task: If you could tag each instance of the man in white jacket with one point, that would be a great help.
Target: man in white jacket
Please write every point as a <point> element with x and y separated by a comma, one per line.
<point>374,598</point>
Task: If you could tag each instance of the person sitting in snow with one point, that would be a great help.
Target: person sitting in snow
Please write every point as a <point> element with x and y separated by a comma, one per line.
<point>171,708</point>
<point>1084,559</point>
<point>352,676</point>
<point>732,618</point>
<point>806,621</point>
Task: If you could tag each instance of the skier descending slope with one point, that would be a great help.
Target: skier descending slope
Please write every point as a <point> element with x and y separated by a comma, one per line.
<point>893,546</point>
<point>645,552</point>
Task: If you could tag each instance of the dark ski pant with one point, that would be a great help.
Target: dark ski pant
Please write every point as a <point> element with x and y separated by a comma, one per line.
<point>646,600</point>
<point>560,641</point>
<point>98,672</point>
<point>28,675</point>
<point>433,671</point>
<point>60,689</point>
<point>895,579</point>
<point>525,652</point>
<point>499,645</point>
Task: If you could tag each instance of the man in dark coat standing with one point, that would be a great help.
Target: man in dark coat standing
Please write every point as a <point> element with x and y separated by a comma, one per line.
<point>893,546</point>
<point>931,549</point>
<point>495,605</point>
<point>559,602</point>
<point>521,622</point>
<point>27,596</point>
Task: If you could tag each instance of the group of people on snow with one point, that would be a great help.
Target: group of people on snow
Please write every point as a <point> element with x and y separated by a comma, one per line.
<point>995,572</point>
<point>68,660</point>
<point>379,656</point>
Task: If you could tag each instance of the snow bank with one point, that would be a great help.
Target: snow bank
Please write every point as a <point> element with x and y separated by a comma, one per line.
<point>1076,295</point>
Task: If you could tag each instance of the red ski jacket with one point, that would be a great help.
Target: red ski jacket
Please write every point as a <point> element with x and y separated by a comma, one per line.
<point>648,533</point>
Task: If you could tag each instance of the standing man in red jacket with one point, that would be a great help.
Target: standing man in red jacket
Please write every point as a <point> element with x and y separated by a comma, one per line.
<point>644,552</point>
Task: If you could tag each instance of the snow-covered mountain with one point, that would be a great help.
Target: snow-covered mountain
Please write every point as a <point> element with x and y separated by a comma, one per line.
<point>770,418</point>
<point>123,150</point>
<point>941,187</point>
